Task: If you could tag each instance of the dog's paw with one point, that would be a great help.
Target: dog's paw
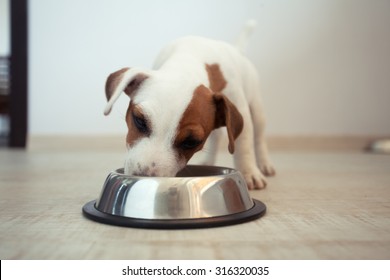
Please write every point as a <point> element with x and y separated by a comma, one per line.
<point>268,170</point>
<point>254,179</point>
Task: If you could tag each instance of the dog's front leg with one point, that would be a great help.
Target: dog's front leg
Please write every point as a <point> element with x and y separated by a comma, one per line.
<point>259,140</point>
<point>244,154</point>
<point>212,147</point>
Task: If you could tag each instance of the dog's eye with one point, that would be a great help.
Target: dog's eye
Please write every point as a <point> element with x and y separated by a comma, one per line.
<point>141,124</point>
<point>190,143</point>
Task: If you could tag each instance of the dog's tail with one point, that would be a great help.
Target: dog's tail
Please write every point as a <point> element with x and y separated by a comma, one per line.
<point>243,38</point>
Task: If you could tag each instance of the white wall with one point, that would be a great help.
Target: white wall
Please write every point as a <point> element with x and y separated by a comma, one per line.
<point>324,64</point>
<point>4,28</point>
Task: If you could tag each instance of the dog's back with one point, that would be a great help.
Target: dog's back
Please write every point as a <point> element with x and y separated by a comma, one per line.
<point>195,52</point>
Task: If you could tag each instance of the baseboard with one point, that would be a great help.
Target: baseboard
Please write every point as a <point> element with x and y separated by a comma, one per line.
<point>117,142</point>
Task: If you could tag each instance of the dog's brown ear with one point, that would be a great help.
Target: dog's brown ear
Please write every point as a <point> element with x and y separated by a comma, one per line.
<point>228,115</point>
<point>125,80</point>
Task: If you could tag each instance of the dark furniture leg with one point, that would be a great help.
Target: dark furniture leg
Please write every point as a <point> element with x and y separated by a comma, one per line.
<point>19,76</point>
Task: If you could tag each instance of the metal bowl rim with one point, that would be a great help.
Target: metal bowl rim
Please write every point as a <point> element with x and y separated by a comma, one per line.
<point>230,172</point>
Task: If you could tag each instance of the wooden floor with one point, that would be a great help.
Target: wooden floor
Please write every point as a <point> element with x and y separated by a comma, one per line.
<point>331,203</point>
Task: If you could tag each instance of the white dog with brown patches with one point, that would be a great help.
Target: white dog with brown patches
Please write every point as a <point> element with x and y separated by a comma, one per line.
<point>196,86</point>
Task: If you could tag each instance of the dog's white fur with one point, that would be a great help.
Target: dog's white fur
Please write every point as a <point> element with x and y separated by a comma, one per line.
<point>167,92</point>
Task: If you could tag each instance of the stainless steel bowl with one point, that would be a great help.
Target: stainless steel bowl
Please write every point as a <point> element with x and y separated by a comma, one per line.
<point>199,196</point>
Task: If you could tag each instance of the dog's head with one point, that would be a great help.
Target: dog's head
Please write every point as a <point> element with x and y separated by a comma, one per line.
<point>169,120</point>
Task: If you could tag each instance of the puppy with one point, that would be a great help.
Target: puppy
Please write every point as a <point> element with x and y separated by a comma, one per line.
<point>196,86</point>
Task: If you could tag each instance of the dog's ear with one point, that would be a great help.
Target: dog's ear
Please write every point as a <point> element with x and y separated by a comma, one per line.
<point>125,80</point>
<point>228,115</point>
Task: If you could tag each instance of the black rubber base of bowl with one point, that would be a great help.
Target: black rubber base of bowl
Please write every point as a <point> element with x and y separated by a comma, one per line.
<point>255,212</point>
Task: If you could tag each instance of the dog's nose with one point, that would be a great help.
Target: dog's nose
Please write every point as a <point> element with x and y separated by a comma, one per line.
<point>148,171</point>
<point>145,174</point>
